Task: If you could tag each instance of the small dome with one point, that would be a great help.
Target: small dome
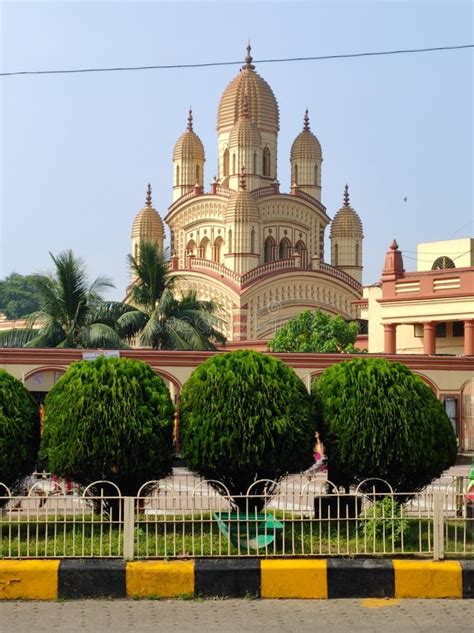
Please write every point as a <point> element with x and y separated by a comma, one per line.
<point>147,224</point>
<point>306,145</point>
<point>346,222</point>
<point>261,100</point>
<point>189,145</point>
<point>241,206</point>
<point>245,133</point>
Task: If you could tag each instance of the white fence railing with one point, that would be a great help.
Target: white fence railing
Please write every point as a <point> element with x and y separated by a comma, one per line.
<point>184,517</point>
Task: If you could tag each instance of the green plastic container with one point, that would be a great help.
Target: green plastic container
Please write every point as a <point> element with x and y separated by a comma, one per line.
<point>248,531</point>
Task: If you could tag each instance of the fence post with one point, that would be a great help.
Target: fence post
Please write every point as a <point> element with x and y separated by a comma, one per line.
<point>438,525</point>
<point>128,527</point>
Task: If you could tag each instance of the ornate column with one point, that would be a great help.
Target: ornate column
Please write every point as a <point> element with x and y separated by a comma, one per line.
<point>469,337</point>
<point>390,338</point>
<point>429,337</point>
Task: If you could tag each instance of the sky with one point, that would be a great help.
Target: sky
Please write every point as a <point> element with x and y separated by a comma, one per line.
<point>77,151</point>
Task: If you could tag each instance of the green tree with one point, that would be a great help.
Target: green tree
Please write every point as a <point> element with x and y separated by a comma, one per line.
<point>245,416</point>
<point>19,431</point>
<point>18,296</point>
<point>72,312</point>
<point>315,331</point>
<point>377,419</point>
<point>160,319</point>
<point>111,419</point>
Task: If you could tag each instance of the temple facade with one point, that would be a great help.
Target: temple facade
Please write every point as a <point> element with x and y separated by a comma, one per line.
<point>254,249</point>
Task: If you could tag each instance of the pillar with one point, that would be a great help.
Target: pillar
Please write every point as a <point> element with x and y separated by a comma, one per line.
<point>469,337</point>
<point>390,338</point>
<point>429,337</point>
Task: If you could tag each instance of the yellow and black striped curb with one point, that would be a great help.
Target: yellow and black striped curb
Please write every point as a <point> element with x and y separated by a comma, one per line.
<point>231,577</point>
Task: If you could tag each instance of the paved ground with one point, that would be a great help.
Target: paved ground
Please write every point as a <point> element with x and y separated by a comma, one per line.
<point>239,616</point>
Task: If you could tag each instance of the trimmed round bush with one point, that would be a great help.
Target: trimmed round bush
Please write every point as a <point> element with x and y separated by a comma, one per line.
<point>19,431</point>
<point>111,419</point>
<point>378,419</point>
<point>245,416</point>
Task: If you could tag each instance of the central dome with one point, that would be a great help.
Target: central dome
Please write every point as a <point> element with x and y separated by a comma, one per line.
<point>261,101</point>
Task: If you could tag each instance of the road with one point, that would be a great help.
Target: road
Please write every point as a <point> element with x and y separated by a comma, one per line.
<point>239,616</point>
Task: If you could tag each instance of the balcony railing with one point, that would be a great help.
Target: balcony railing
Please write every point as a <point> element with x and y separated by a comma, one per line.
<point>279,265</point>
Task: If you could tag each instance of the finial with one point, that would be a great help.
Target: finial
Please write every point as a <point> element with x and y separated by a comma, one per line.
<point>245,109</point>
<point>346,196</point>
<point>148,202</point>
<point>190,119</point>
<point>242,182</point>
<point>394,245</point>
<point>306,127</point>
<point>248,58</point>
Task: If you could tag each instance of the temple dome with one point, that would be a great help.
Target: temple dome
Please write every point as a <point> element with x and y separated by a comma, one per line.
<point>245,132</point>
<point>189,145</point>
<point>262,103</point>
<point>241,206</point>
<point>346,222</point>
<point>306,145</point>
<point>148,225</point>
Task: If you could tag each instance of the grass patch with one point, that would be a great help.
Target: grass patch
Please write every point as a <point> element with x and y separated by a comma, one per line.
<point>186,536</point>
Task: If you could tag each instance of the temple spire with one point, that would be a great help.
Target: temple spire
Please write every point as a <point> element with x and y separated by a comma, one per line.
<point>306,127</point>
<point>248,58</point>
<point>346,196</point>
<point>148,202</point>
<point>242,181</point>
<point>190,120</point>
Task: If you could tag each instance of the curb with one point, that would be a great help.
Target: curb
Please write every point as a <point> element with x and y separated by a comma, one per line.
<point>235,578</point>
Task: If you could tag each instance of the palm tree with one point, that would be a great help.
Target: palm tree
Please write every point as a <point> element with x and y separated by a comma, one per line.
<point>72,314</point>
<point>161,320</point>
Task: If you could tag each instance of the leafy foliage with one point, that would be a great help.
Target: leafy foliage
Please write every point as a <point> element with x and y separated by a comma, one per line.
<point>161,320</point>
<point>19,431</point>
<point>245,416</point>
<point>72,312</point>
<point>377,419</point>
<point>315,331</point>
<point>18,296</point>
<point>383,520</point>
<point>112,419</point>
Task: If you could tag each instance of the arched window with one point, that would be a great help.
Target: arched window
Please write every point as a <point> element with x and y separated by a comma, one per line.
<point>233,164</point>
<point>252,240</point>
<point>191,247</point>
<point>226,162</point>
<point>443,262</point>
<point>266,162</point>
<point>229,239</point>
<point>198,174</point>
<point>284,251</point>
<point>177,175</point>
<point>303,252</point>
<point>336,255</point>
<point>315,174</point>
<point>204,248</point>
<point>255,162</point>
<point>269,250</point>
<point>357,254</point>
<point>295,175</point>
<point>218,250</point>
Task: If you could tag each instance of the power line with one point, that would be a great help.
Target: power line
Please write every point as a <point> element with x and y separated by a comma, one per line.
<point>234,63</point>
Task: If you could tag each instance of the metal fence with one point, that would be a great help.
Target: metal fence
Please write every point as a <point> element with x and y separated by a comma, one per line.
<point>184,517</point>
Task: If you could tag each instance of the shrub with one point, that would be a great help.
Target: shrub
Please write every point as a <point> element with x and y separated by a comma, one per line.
<point>383,520</point>
<point>111,419</point>
<point>377,419</point>
<point>245,416</point>
<point>316,331</point>
<point>19,431</point>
